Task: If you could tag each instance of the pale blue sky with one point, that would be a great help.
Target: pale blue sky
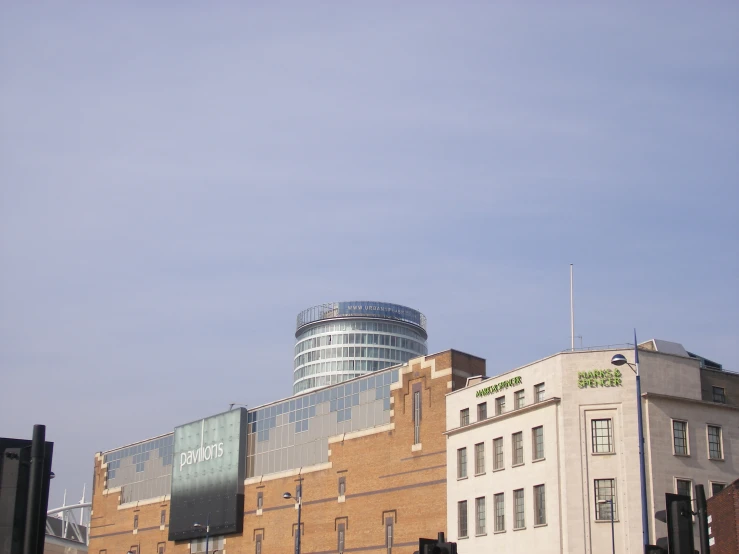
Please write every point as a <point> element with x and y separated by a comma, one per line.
<point>178,182</point>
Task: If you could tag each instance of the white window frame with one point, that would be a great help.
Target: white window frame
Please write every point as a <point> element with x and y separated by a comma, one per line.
<point>720,442</point>
<point>711,483</point>
<point>687,436</point>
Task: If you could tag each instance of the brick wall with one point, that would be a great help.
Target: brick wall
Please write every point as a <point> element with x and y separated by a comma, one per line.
<point>388,481</point>
<point>724,511</point>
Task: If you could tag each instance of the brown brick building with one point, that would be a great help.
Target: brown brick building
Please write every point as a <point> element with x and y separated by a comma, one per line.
<point>723,508</point>
<point>369,453</point>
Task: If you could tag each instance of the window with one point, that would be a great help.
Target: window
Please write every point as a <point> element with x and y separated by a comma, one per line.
<point>498,460</point>
<point>605,490</point>
<point>718,395</point>
<point>517,448</point>
<point>260,500</point>
<point>340,538</point>
<point>684,487</point>
<point>342,486</point>
<point>134,549</point>
<point>462,518</point>
<point>198,545</point>
<point>389,534</point>
<point>519,521</point>
<point>464,417</point>
<point>417,417</point>
<point>714,442</point>
<point>680,437</point>
<point>163,517</point>
<point>537,443</point>
<point>161,547</point>
<point>518,399</point>
<point>136,522</point>
<point>461,463</point>
<point>602,433</point>
<point>480,516</point>
<point>540,505</point>
<point>499,506</point>
<point>482,411</point>
<point>716,488</point>
<point>258,546</point>
<point>499,405</point>
<point>539,392</point>
<point>479,458</point>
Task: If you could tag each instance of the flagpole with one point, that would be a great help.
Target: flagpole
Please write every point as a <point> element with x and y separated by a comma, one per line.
<point>572,315</point>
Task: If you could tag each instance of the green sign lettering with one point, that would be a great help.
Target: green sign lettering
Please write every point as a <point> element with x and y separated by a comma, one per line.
<point>599,378</point>
<point>492,389</point>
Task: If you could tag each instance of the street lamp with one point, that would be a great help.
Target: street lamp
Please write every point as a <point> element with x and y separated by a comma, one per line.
<point>207,530</point>
<point>613,532</point>
<point>619,360</point>
<point>299,502</point>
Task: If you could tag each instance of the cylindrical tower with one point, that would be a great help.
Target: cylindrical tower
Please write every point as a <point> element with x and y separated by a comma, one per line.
<point>342,340</point>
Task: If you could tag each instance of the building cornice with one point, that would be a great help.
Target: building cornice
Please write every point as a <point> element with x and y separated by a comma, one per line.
<point>503,416</point>
<point>649,395</point>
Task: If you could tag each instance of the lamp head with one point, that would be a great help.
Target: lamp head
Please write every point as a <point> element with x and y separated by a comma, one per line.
<point>618,360</point>
<point>287,496</point>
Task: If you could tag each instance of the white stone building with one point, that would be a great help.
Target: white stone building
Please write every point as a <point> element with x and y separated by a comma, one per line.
<point>535,454</point>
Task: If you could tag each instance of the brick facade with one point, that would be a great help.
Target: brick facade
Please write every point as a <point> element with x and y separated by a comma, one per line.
<point>723,508</point>
<point>388,481</point>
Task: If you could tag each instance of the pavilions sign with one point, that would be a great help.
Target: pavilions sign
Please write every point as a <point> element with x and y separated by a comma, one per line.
<point>208,476</point>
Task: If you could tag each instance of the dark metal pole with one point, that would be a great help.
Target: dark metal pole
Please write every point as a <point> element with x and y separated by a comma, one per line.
<point>300,506</point>
<point>702,507</point>
<point>35,490</point>
<point>613,530</point>
<point>207,532</point>
<point>642,470</point>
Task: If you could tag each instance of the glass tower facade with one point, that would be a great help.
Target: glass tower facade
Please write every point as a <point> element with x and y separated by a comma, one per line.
<point>339,341</point>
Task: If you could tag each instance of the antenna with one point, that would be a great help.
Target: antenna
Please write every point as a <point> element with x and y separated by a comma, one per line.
<point>572,313</point>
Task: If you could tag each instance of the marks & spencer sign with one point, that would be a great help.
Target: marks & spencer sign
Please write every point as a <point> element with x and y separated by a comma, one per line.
<point>497,387</point>
<point>599,378</point>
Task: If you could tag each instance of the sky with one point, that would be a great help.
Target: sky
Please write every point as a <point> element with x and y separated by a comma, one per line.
<point>179,180</point>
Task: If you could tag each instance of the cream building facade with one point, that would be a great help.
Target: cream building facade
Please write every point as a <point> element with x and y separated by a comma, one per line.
<point>535,456</point>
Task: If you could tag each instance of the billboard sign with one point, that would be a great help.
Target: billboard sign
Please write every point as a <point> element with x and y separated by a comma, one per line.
<point>380,309</point>
<point>208,476</point>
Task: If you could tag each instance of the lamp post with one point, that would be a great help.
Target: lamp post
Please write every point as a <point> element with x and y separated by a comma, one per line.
<point>613,532</point>
<point>207,531</point>
<point>299,502</point>
<point>619,360</point>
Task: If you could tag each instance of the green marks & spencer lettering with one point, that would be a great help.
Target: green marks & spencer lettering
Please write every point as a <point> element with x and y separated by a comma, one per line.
<point>599,378</point>
<point>492,389</point>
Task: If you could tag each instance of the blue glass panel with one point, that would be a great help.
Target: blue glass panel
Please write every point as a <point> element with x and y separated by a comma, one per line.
<point>340,404</point>
<point>333,405</point>
<point>347,414</point>
<point>395,376</point>
<point>371,382</point>
<point>363,385</point>
<point>292,417</point>
<point>386,405</point>
<point>312,412</point>
<point>387,377</point>
<point>378,393</point>
<point>355,400</point>
<point>334,393</point>
<point>355,387</point>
